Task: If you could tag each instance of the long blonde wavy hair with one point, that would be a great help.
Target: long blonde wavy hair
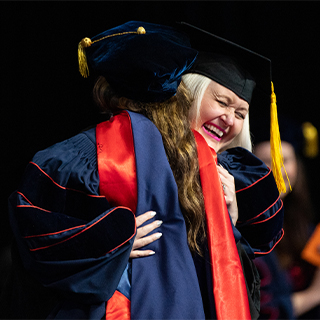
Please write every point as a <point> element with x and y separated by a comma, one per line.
<point>172,120</point>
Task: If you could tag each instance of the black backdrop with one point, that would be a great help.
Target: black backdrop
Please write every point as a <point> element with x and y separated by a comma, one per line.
<point>45,100</point>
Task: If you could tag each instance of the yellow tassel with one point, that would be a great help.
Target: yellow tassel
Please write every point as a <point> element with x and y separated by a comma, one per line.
<point>86,42</point>
<point>275,145</point>
<point>310,134</point>
<point>82,57</point>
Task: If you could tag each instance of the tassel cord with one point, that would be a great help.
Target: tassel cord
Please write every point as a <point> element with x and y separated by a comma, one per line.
<point>275,145</point>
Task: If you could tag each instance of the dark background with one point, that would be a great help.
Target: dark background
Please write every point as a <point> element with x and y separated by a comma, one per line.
<point>45,100</point>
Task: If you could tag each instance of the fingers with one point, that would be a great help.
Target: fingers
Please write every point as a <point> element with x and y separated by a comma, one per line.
<point>144,217</point>
<point>222,170</point>
<point>228,186</point>
<point>142,231</point>
<point>225,176</point>
<point>143,242</point>
<point>141,253</point>
<point>143,236</point>
<point>227,180</point>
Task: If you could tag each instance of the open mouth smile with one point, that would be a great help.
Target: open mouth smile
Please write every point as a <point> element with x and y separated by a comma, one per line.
<point>213,131</point>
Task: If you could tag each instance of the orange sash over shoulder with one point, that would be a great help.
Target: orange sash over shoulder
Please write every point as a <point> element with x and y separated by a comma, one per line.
<point>229,287</point>
<point>115,152</point>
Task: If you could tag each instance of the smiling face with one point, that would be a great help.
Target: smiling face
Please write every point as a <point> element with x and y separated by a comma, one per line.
<point>221,116</point>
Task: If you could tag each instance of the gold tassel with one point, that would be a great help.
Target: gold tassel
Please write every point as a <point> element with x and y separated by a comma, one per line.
<point>82,57</point>
<point>310,134</point>
<point>86,42</point>
<point>275,145</point>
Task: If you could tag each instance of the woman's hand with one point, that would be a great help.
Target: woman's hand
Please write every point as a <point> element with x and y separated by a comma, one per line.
<point>229,191</point>
<point>142,238</point>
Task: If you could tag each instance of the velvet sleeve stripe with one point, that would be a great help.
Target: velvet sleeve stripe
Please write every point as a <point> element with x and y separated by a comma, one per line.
<point>259,200</point>
<point>258,235</point>
<point>271,216</point>
<point>29,202</point>
<point>262,236</point>
<point>53,233</point>
<point>249,186</point>
<point>84,229</point>
<point>270,246</point>
<point>26,213</point>
<point>109,231</point>
<point>40,190</point>
<point>64,188</point>
<point>266,214</point>
<point>31,206</point>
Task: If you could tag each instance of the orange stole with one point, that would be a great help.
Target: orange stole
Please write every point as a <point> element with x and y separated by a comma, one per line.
<point>118,307</point>
<point>118,183</point>
<point>229,287</point>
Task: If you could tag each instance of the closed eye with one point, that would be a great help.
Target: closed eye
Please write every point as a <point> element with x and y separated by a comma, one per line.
<point>240,115</point>
<point>224,104</point>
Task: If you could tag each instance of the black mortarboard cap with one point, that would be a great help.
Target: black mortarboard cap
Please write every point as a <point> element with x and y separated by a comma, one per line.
<point>233,66</point>
<point>141,61</point>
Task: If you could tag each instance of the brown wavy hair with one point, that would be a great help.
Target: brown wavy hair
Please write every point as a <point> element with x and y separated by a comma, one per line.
<point>172,120</point>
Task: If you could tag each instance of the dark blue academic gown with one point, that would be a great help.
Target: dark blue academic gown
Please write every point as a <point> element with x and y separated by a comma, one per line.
<point>71,248</point>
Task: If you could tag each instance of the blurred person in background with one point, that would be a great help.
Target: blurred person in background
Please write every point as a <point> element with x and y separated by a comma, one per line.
<point>290,286</point>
